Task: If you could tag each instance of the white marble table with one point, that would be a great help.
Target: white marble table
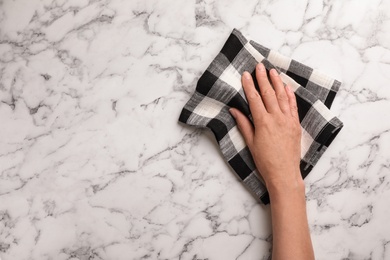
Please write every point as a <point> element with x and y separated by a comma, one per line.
<point>94,164</point>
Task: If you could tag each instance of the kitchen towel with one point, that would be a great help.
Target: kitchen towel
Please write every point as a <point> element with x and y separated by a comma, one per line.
<point>219,88</point>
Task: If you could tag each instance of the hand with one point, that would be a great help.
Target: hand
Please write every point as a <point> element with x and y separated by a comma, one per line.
<point>274,141</point>
<point>274,138</point>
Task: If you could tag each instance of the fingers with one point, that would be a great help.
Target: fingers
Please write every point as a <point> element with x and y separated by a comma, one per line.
<point>266,90</point>
<point>255,102</point>
<point>272,98</point>
<point>281,94</point>
<point>292,102</point>
<point>244,125</point>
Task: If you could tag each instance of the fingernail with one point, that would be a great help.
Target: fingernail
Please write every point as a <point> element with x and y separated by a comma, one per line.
<point>232,112</point>
<point>261,67</point>
<point>288,88</point>
<point>274,72</point>
<point>247,75</point>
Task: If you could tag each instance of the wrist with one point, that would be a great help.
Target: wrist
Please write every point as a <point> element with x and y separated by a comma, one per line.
<point>293,186</point>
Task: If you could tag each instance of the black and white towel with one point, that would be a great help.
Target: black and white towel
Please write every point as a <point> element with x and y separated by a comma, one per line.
<point>219,88</point>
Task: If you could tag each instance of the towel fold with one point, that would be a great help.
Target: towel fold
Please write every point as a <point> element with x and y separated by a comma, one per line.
<point>219,88</point>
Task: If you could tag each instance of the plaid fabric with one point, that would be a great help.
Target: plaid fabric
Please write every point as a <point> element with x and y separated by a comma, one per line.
<point>219,88</point>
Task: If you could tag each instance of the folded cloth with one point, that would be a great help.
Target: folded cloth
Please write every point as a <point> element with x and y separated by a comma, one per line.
<point>219,88</point>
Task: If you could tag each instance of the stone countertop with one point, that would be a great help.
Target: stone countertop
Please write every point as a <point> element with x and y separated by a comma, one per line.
<point>94,164</point>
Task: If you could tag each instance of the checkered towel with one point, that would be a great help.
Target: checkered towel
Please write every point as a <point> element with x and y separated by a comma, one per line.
<point>219,88</point>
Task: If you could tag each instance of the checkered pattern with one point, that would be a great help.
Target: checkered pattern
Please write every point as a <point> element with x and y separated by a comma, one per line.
<point>219,88</point>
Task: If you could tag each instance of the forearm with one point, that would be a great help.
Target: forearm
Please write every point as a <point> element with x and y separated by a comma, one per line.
<point>291,237</point>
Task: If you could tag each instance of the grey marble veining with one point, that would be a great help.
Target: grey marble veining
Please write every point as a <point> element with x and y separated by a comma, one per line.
<point>94,165</point>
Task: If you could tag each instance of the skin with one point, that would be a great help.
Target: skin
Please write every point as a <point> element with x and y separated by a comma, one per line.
<point>274,141</point>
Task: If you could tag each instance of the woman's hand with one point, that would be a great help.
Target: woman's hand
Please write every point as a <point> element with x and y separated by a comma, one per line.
<point>274,139</point>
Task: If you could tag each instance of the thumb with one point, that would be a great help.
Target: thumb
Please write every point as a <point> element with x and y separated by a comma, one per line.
<point>244,125</point>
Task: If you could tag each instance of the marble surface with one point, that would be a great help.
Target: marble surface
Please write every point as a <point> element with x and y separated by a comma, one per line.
<point>94,165</point>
